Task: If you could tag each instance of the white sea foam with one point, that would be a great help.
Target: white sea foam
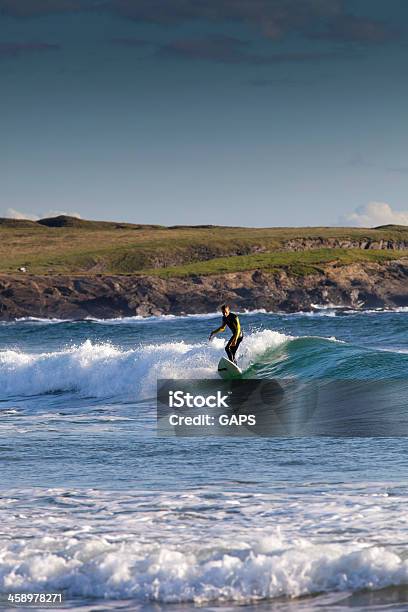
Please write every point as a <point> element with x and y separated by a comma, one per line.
<point>170,317</point>
<point>331,310</point>
<point>104,370</point>
<point>399,309</point>
<point>131,320</point>
<point>36,320</point>
<point>103,569</point>
<point>318,310</point>
<point>329,306</point>
<point>138,548</point>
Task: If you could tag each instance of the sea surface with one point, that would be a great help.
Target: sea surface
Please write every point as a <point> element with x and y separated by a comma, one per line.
<point>93,504</point>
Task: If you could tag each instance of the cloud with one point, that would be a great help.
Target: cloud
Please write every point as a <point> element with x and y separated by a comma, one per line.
<point>37,8</point>
<point>138,43</point>
<point>228,50</point>
<point>359,161</point>
<point>218,48</point>
<point>349,28</point>
<point>265,83</point>
<point>316,19</point>
<point>223,49</point>
<point>399,169</point>
<point>374,214</point>
<point>273,17</point>
<point>12,213</point>
<point>281,58</point>
<point>16,49</point>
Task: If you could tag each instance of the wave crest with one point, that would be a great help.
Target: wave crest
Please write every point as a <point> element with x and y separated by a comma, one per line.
<point>247,572</point>
<point>103,370</point>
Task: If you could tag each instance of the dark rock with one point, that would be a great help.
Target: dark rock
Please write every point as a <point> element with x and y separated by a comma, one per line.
<point>367,285</point>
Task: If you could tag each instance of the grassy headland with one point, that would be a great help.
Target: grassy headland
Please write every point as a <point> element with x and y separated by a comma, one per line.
<point>65,245</point>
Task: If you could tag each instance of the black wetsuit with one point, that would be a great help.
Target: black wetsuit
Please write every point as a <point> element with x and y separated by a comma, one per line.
<point>232,322</point>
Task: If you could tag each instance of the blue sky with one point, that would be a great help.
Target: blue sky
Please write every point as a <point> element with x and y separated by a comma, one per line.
<point>237,112</point>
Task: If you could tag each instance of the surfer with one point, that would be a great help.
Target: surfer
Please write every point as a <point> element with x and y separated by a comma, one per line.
<point>231,320</point>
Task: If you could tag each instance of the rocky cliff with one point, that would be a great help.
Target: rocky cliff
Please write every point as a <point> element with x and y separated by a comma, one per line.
<point>364,285</point>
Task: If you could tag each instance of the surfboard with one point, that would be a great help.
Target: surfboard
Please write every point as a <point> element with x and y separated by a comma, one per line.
<point>227,369</point>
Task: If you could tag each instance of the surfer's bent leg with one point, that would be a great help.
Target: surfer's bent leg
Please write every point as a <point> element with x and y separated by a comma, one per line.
<point>235,348</point>
<point>228,350</point>
<point>231,350</point>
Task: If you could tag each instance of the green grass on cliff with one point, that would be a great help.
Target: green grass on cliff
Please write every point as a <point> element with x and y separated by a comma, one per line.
<point>300,263</point>
<point>66,245</point>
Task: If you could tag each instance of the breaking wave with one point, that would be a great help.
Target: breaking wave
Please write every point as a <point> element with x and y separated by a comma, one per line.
<point>257,571</point>
<point>54,547</point>
<point>104,370</point>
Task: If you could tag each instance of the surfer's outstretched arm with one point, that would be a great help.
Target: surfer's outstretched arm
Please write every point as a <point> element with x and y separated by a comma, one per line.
<point>221,328</point>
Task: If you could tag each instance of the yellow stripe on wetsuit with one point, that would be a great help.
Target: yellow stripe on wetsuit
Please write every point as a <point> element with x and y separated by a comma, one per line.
<point>238,331</point>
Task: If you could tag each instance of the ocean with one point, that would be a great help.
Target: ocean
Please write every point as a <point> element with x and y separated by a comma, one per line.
<point>93,504</point>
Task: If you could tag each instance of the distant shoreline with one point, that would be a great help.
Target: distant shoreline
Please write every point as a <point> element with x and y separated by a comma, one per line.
<point>357,285</point>
<point>66,267</point>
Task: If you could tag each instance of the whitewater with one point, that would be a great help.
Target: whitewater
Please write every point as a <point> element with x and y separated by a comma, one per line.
<point>93,504</point>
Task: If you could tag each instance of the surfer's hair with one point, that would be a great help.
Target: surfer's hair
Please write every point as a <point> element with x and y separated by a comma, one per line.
<point>225,306</point>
